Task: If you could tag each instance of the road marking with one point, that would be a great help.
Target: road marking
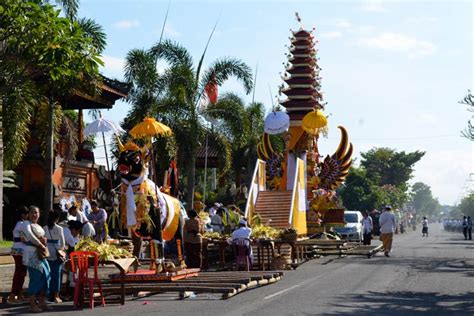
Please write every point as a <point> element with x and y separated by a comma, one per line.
<point>281,292</point>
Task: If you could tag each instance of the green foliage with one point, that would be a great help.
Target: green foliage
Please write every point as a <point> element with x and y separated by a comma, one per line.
<point>387,166</point>
<point>241,126</point>
<point>42,57</point>
<point>468,100</point>
<point>9,179</point>
<point>423,200</point>
<point>359,193</point>
<point>381,179</point>
<point>467,205</point>
<point>173,97</point>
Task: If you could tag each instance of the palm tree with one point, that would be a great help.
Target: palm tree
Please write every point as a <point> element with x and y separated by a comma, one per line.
<point>242,126</point>
<point>174,95</point>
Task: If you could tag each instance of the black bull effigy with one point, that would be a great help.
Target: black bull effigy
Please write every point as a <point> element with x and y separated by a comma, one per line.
<point>141,202</point>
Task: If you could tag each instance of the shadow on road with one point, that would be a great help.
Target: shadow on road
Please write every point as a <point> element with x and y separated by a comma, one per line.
<point>430,264</point>
<point>405,303</point>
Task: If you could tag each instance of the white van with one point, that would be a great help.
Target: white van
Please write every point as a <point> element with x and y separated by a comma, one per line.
<point>353,227</point>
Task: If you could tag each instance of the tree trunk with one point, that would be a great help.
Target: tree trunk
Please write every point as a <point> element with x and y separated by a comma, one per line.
<point>190,174</point>
<point>48,170</point>
<point>1,173</point>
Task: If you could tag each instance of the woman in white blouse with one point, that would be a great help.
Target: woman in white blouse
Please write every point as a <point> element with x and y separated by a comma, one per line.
<point>55,242</point>
<point>38,269</point>
<point>17,252</point>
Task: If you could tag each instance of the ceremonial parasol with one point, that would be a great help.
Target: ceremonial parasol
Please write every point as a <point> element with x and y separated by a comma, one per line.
<point>276,123</point>
<point>102,125</point>
<point>148,129</point>
<point>314,121</point>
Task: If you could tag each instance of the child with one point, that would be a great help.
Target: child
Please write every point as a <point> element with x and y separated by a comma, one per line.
<point>424,224</point>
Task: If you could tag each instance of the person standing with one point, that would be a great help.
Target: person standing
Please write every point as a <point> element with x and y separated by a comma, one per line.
<point>98,218</point>
<point>16,295</point>
<point>34,258</point>
<point>193,240</point>
<point>464,227</point>
<point>367,227</point>
<point>424,225</point>
<point>469,227</point>
<point>76,215</point>
<point>387,228</point>
<point>55,243</point>
<point>216,221</point>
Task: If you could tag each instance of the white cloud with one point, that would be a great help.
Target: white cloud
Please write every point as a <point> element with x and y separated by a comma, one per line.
<point>126,24</point>
<point>170,31</point>
<point>113,66</point>
<point>334,34</point>
<point>401,43</point>
<point>422,20</point>
<point>343,24</point>
<point>437,169</point>
<point>374,6</point>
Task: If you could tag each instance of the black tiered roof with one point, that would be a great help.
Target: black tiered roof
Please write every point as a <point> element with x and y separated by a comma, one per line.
<point>301,77</point>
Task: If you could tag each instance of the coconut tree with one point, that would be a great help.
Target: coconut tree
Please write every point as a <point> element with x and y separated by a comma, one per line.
<point>242,125</point>
<point>174,95</point>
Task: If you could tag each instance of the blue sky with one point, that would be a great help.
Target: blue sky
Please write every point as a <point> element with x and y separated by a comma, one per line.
<point>392,71</point>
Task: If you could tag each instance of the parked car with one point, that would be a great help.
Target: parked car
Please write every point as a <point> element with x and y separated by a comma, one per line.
<point>352,230</point>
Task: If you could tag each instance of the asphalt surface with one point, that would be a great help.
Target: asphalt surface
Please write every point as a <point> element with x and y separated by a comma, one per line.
<point>424,276</point>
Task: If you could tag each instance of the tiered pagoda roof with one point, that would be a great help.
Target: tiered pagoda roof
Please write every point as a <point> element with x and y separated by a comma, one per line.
<point>301,77</point>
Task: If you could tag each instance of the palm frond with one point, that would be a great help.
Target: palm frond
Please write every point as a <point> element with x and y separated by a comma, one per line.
<point>70,7</point>
<point>95,32</point>
<point>9,179</point>
<point>223,69</point>
<point>17,109</point>
<point>173,53</point>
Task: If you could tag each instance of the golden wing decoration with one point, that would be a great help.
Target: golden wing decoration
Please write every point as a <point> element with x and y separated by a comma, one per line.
<point>264,148</point>
<point>335,168</point>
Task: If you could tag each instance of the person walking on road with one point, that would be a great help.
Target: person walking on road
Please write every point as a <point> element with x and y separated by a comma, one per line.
<point>387,228</point>
<point>424,225</point>
<point>464,227</point>
<point>469,227</point>
<point>367,227</point>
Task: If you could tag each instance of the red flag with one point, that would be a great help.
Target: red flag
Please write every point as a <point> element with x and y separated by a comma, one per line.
<point>211,90</point>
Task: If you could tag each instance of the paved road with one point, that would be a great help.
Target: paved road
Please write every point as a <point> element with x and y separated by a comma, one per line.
<point>424,276</point>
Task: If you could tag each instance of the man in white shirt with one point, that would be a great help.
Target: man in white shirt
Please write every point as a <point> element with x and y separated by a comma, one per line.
<point>243,231</point>
<point>387,228</point>
<point>242,234</point>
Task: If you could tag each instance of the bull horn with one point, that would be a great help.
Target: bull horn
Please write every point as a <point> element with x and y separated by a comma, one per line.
<point>120,145</point>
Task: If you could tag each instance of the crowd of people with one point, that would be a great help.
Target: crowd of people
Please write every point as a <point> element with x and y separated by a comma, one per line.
<point>457,225</point>
<point>41,252</point>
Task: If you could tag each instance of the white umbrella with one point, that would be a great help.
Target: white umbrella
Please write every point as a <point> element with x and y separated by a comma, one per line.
<point>276,123</point>
<point>102,125</point>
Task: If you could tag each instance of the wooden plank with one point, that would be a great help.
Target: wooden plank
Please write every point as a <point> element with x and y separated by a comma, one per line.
<point>171,288</point>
